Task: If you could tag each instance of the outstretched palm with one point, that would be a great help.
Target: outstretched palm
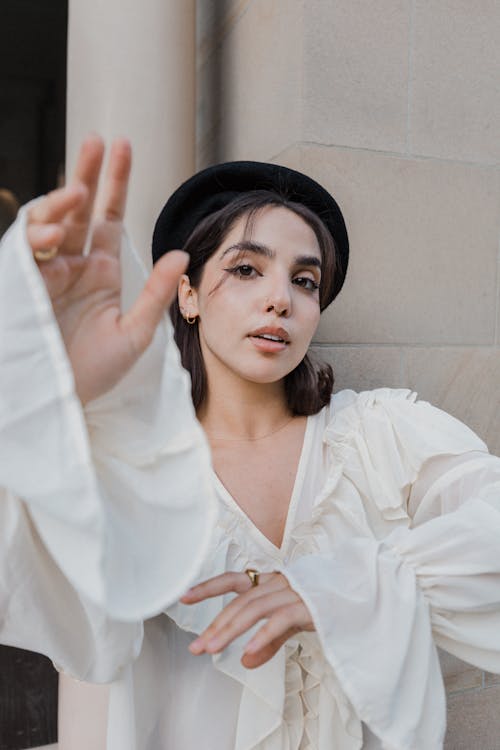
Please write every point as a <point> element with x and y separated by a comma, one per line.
<point>102,343</point>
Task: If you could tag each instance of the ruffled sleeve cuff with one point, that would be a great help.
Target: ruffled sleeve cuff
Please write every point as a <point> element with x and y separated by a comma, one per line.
<point>128,528</point>
<point>373,625</point>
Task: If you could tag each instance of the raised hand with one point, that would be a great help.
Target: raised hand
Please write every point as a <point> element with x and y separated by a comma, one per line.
<point>102,343</point>
<point>272,599</point>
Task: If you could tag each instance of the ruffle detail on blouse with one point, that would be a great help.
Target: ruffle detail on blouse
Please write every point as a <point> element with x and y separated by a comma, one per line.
<point>337,511</point>
<point>383,438</point>
<point>330,720</point>
<point>281,700</point>
<point>261,720</point>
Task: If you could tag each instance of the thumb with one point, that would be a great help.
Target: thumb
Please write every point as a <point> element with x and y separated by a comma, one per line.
<point>159,292</point>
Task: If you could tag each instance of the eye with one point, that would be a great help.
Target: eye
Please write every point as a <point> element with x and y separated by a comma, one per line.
<point>243,271</point>
<point>306,283</point>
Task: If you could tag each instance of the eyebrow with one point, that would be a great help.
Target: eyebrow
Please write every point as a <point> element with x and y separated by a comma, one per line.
<point>259,249</point>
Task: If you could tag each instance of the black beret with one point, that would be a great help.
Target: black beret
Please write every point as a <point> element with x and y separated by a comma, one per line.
<point>213,188</point>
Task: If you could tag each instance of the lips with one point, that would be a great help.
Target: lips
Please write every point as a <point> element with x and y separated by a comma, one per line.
<point>269,333</point>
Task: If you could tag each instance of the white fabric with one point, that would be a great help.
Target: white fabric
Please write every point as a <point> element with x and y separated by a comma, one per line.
<point>383,584</point>
<point>392,539</point>
<point>123,518</point>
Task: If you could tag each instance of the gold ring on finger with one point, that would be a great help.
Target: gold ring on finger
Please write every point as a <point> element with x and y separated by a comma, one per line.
<point>253,575</point>
<point>44,255</point>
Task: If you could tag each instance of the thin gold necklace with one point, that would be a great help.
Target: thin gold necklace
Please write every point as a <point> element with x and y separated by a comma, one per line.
<point>251,439</point>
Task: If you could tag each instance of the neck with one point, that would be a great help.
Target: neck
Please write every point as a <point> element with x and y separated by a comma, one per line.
<point>239,409</point>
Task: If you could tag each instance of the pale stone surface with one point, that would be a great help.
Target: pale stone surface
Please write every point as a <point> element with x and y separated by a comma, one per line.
<point>362,368</point>
<point>131,71</point>
<point>474,720</point>
<point>497,338</point>
<point>455,108</point>
<point>466,679</point>
<point>214,19</point>
<point>491,679</point>
<point>462,381</point>
<point>356,73</point>
<point>459,675</point>
<point>249,100</point>
<point>424,239</point>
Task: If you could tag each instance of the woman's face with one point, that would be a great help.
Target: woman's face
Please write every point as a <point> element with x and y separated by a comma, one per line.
<point>258,299</point>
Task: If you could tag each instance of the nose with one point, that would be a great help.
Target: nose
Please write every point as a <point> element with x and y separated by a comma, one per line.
<point>279,298</point>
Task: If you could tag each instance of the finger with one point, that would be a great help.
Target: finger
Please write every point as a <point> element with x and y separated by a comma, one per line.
<point>274,584</point>
<point>239,583</point>
<point>43,236</point>
<point>61,273</point>
<point>291,617</point>
<point>215,640</point>
<point>253,660</point>
<point>247,617</point>
<point>54,206</point>
<point>221,584</point>
<point>140,323</point>
<point>112,205</point>
<point>87,170</point>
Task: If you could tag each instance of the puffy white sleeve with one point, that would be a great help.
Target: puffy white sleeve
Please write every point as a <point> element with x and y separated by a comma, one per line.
<point>382,600</point>
<point>104,516</point>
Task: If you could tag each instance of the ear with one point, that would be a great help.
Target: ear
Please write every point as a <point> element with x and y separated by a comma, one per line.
<point>188,297</point>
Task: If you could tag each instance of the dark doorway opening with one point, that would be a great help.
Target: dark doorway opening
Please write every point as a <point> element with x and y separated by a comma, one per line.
<point>33,42</point>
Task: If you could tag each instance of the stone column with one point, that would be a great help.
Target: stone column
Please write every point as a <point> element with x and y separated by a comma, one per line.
<point>131,71</point>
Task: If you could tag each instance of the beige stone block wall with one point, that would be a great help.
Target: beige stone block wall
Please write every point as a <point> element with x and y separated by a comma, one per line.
<point>424,247</point>
<point>356,73</point>
<point>455,103</point>
<point>249,84</point>
<point>395,106</point>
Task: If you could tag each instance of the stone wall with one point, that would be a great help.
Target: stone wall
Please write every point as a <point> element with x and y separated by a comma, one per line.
<point>395,107</point>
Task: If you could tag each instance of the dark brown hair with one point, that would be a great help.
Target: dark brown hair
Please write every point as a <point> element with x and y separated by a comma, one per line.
<point>308,387</point>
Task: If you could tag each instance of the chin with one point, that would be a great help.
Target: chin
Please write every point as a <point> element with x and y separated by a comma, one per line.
<point>268,373</point>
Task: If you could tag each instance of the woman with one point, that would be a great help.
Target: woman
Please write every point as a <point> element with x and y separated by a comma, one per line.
<point>362,530</point>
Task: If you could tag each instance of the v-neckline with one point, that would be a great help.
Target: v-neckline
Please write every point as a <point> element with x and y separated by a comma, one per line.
<point>292,505</point>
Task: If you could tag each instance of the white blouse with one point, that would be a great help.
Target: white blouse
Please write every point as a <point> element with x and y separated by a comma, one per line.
<point>392,539</point>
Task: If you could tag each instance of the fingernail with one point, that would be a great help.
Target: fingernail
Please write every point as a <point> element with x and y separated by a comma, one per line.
<point>196,647</point>
<point>251,647</point>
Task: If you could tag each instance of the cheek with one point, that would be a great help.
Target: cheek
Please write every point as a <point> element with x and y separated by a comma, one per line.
<point>226,298</point>
<point>310,315</point>
<point>220,313</point>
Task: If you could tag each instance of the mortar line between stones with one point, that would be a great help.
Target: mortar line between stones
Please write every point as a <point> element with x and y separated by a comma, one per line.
<point>397,345</point>
<point>403,155</point>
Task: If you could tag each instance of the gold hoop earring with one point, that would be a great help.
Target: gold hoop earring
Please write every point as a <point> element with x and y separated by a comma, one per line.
<point>191,320</point>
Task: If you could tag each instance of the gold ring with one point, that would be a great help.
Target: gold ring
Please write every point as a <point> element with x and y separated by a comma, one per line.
<point>253,575</point>
<point>45,255</point>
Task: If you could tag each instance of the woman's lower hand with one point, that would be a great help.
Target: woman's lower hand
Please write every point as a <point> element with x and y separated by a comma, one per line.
<point>272,600</point>
<point>85,290</point>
